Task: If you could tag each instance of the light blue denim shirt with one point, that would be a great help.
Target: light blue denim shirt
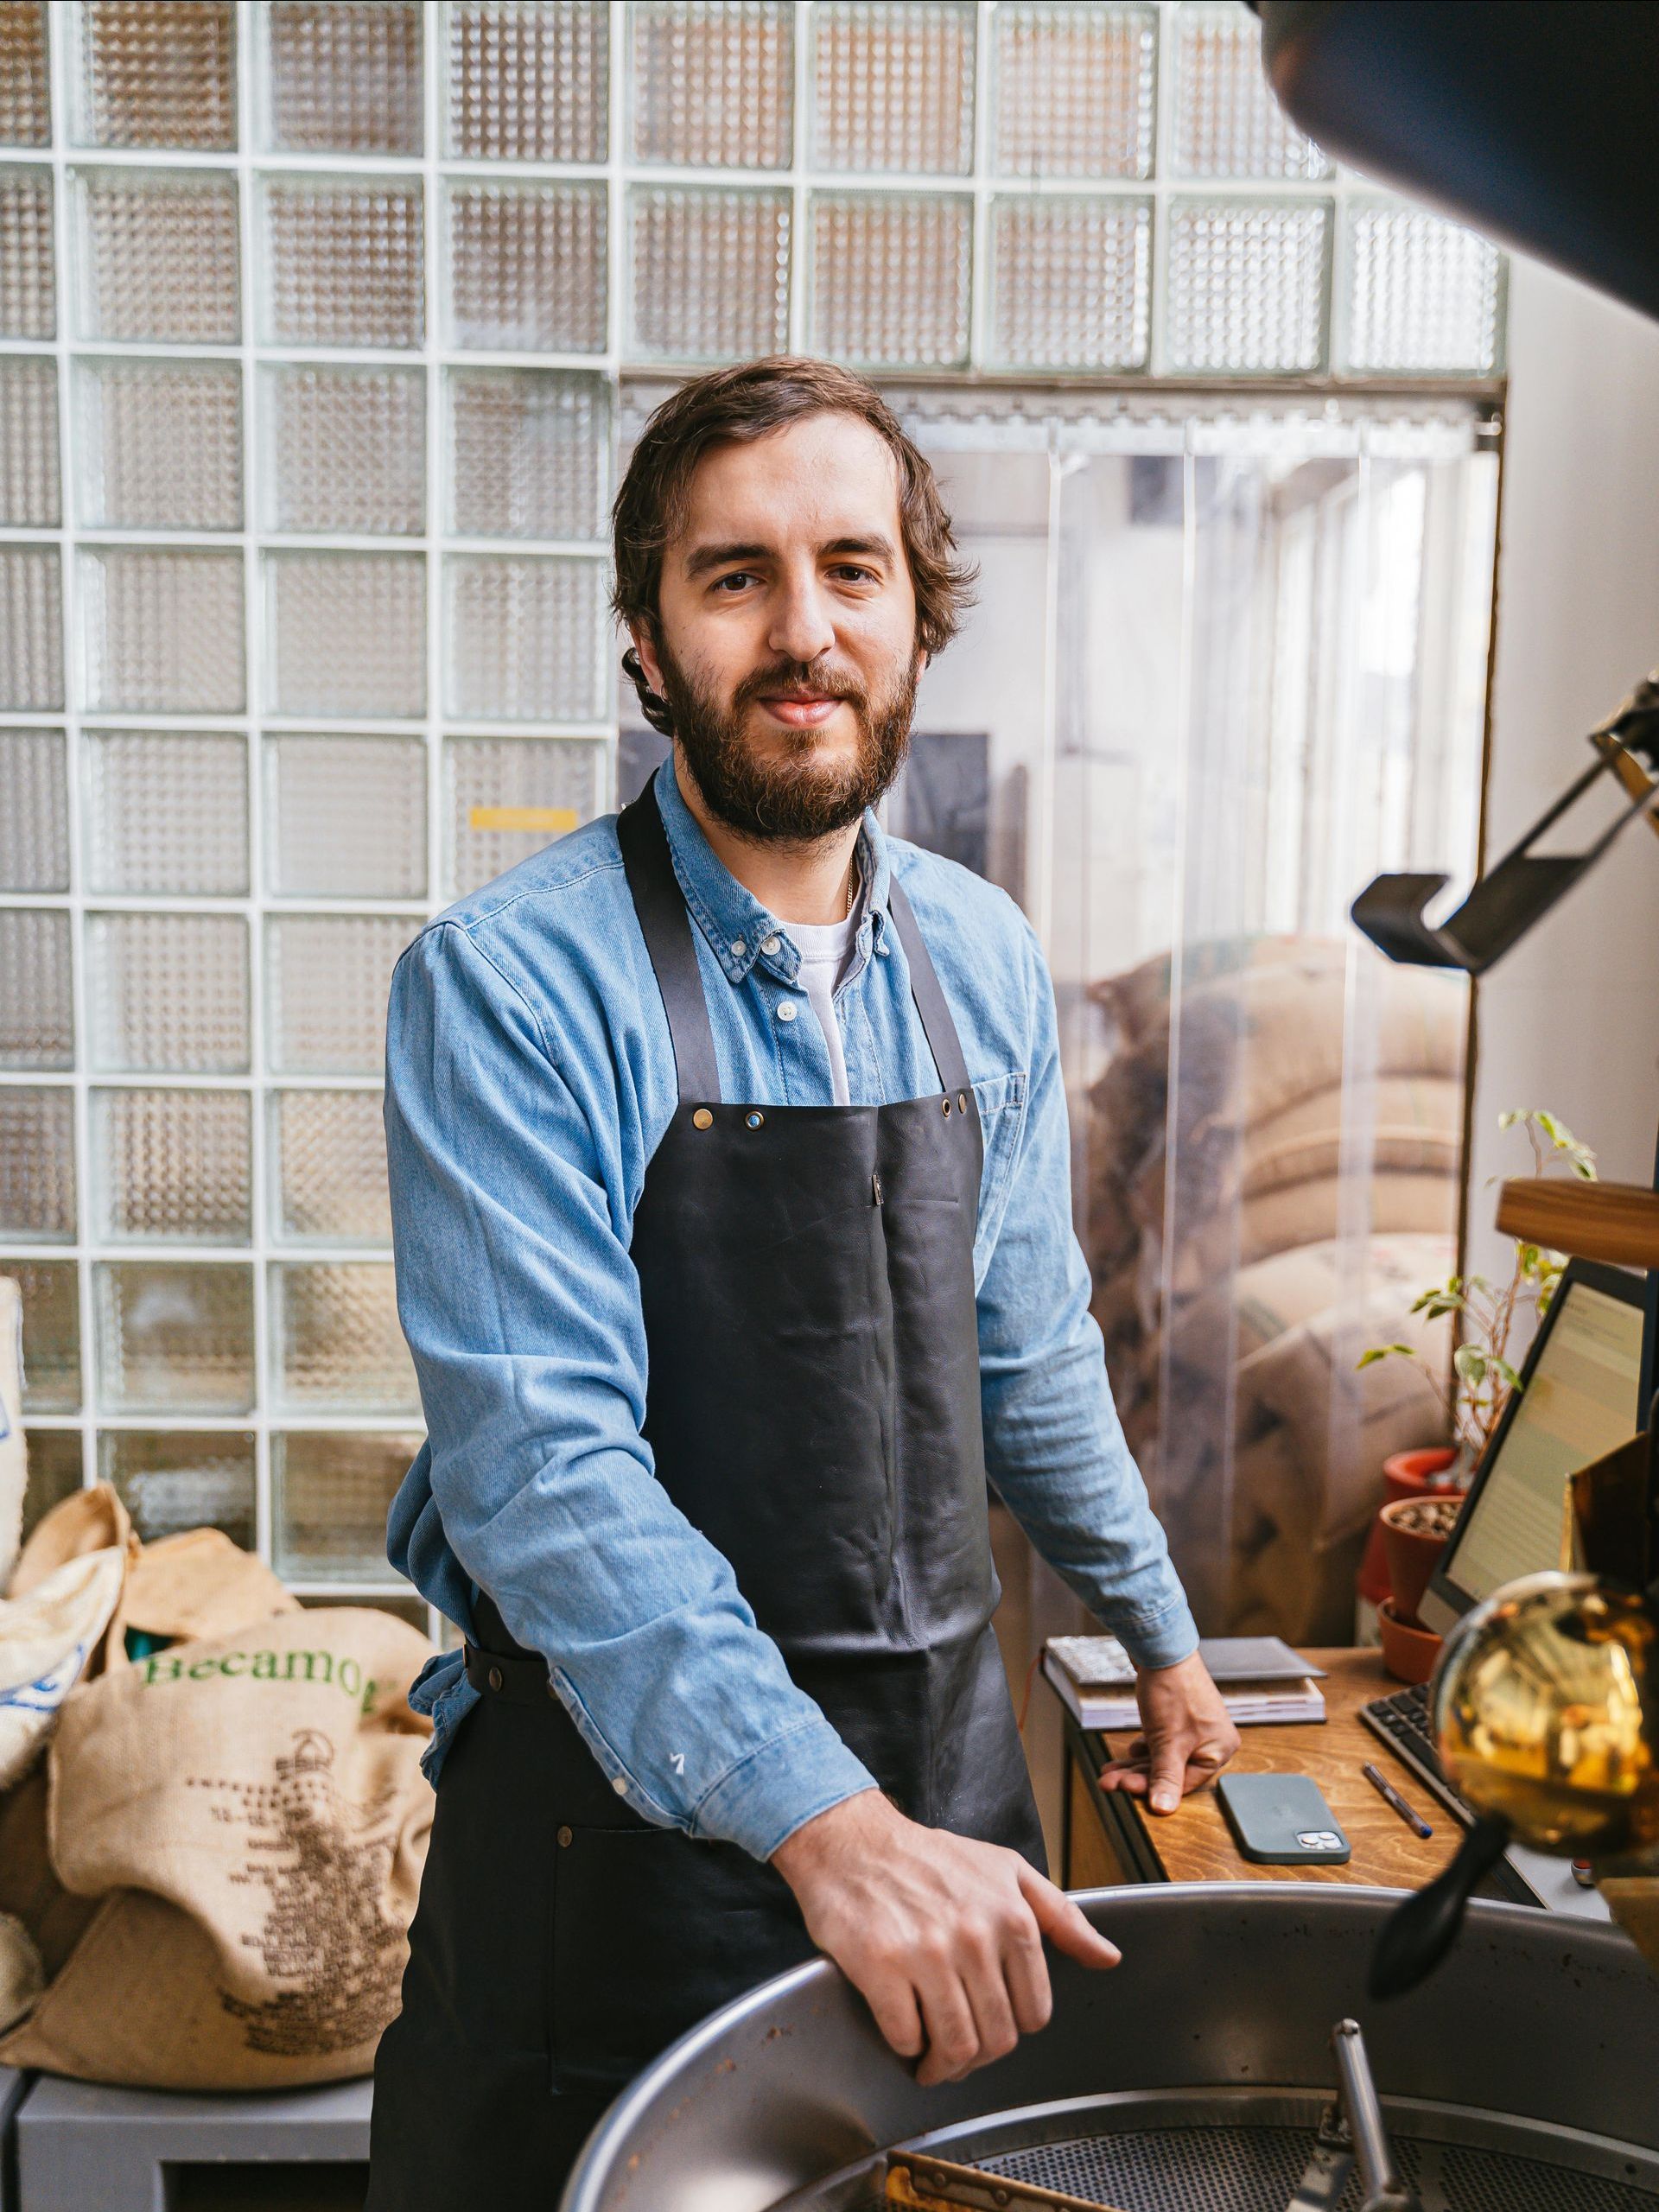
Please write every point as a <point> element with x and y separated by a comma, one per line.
<point>530,1078</point>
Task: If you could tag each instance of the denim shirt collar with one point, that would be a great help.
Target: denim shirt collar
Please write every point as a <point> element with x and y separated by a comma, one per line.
<point>738,927</point>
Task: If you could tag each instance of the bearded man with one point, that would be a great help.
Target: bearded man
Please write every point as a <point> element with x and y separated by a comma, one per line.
<point>730,1175</point>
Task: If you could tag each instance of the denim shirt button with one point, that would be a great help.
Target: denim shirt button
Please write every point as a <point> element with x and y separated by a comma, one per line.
<point>786,1011</point>
<point>771,944</point>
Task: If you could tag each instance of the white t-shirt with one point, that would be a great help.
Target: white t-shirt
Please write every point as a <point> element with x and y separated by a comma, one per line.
<point>825,949</point>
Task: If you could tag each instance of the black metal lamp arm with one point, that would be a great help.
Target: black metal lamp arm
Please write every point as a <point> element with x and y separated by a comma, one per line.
<point>1509,898</point>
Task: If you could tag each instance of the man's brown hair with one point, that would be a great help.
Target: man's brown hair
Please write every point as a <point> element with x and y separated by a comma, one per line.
<point>736,405</point>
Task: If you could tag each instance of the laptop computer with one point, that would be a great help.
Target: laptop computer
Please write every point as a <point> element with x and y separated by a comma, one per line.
<point>1579,1396</point>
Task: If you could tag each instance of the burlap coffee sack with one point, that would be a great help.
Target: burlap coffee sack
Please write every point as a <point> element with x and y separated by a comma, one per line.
<point>46,1640</point>
<point>22,1975</point>
<point>1262,1041</point>
<point>86,1520</point>
<point>1343,1422</point>
<point>1401,1124</point>
<point>55,1619</point>
<point>1138,1001</point>
<point>1115,1310</point>
<point>1237,1316</point>
<point>1110,1229</point>
<point>1208,1251</point>
<point>251,1813</point>
<point>14,1463</point>
<point>1302,1592</point>
<point>1406,1124</point>
<point>194,1585</point>
<point>29,1891</point>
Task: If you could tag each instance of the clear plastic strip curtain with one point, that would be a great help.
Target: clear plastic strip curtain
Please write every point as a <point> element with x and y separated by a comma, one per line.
<point>1264,639</point>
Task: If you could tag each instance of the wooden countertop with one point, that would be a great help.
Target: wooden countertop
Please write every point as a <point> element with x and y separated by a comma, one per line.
<point>1194,1843</point>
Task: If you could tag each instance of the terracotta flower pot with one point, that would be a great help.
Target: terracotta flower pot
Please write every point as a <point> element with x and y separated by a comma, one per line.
<point>1405,1474</point>
<point>1409,1652</point>
<point>1412,1548</point>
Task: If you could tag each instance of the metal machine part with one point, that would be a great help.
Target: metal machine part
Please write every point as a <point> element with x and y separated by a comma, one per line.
<point>1363,2110</point>
<point>1192,2077</point>
<point>919,2181</point>
<point>1348,2131</point>
<point>1516,116</point>
<point>1246,2154</point>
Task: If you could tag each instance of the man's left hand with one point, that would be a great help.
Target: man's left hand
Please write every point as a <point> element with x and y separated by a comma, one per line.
<point>1186,1735</point>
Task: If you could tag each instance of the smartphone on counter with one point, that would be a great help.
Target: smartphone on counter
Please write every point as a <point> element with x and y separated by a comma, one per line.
<point>1283,1820</point>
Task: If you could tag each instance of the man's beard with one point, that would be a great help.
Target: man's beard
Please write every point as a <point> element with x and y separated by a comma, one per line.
<point>788,798</point>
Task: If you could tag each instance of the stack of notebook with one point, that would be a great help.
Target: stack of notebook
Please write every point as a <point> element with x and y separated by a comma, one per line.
<point>1260,1678</point>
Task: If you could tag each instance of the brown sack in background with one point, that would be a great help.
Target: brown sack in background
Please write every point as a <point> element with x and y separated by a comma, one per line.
<point>91,1520</point>
<point>14,1466</point>
<point>197,1583</point>
<point>250,1812</point>
<point>56,1617</point>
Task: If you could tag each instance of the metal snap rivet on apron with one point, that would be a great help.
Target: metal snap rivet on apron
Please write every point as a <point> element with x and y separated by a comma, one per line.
<point>754,1121</point>
<point>962,1101</point>
<point>703,1119</point>
<point>945,1103</point>
<point>494,1678</point>
<point>567,1837</point>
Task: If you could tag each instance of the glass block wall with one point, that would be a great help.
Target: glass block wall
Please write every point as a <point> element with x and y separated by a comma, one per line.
<point>314,320</point>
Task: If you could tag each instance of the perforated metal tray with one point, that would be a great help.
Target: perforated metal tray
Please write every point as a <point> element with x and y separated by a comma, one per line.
<point>1245,2151</point>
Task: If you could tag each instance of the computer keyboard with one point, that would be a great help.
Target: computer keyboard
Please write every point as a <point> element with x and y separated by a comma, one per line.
<point>1401,1720</point>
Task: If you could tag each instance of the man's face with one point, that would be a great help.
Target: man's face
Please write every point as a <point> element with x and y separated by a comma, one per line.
<point>786,646</point>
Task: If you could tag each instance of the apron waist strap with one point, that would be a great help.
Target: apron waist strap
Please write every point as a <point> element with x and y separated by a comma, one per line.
<point>517,1681</point>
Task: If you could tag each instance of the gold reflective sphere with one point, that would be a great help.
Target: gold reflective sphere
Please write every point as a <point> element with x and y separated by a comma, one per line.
<point>1546,1706</point>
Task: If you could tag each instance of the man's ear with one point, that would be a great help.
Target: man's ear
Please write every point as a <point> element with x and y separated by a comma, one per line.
<point>648,660</point>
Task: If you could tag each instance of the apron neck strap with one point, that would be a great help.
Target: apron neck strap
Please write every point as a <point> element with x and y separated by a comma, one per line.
<point>943,1041</point>
<point>666,925</point>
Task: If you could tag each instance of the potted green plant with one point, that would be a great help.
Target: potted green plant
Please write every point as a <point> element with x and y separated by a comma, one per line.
<point>1424,1485</point>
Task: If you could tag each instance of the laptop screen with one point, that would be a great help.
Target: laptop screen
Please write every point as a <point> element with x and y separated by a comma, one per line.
<point>1577,1400</point>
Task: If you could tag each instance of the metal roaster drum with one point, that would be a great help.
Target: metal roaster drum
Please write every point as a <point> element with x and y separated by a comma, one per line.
<point>1522,2077</point>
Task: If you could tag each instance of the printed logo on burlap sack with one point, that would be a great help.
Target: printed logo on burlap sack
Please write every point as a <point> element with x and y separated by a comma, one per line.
<point>323,1862</point>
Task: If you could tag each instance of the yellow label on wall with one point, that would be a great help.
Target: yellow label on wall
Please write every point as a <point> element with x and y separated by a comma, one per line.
<point>553,820</point>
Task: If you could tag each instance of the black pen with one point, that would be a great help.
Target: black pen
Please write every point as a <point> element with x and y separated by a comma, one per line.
<point>1386,1790</point>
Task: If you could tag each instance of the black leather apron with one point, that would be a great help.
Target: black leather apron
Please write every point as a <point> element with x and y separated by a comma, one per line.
<point>806,1277</point>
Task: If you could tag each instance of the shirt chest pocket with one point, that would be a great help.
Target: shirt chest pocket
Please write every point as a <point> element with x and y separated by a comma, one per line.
<point>1001,1101</point>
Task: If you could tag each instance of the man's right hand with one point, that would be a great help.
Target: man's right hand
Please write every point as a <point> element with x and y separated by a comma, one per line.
<point>943,1936</point>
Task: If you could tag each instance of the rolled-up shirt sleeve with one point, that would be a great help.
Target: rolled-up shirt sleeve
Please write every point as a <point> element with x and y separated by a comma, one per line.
<point>522,1311</point>
<point>1054,1447</point>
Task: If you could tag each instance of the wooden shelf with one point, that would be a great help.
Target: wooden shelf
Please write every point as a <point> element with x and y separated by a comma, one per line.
<point>1588,1221</point>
